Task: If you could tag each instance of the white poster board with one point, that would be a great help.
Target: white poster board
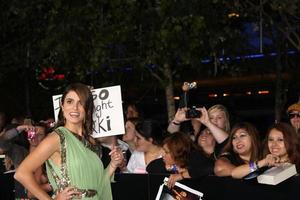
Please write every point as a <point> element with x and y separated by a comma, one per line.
<point>179,191</point>
<point>108,112</point>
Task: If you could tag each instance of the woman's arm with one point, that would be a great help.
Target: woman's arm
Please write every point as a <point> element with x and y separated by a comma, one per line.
<point>223,167</point>
<point>174,125</point>
<point>243,170</point>
<point>219,134</point>
<point>25,172</point>
<point>13,132</point>
<point>173,178</point>
<point>117,158</point>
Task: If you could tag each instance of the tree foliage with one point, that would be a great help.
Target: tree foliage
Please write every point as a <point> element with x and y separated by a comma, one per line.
<point>95,35</point>
<point>102,42</point>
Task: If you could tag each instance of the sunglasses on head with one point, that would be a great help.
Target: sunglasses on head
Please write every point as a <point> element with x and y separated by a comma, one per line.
<point>292,115</point>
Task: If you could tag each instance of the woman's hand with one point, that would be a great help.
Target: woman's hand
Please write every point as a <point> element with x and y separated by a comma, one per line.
<point>204,119</point>
<point>173,179</point>
<point>67,193</point>
<point>180,115</point>
<point>270,160</point>
<point>116,156</point>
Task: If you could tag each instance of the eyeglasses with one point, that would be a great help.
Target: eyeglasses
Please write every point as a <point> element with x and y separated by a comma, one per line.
<point>292,115</point>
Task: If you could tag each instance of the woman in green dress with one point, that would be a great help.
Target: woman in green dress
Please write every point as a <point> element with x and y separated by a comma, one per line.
<point>74,169</point>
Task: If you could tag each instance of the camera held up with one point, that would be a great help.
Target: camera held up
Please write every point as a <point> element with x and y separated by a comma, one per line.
<point>191,112</point>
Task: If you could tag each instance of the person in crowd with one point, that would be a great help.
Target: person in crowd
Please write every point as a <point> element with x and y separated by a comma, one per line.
<point>73,168</point>
<point>241,153</point>
<point>148,146</point>
<point>130,133</point>
<point>207,143</point>
<point>12,144</point>
<point>15,146</point>
<point>213,138</point>
<point>35,137</point>
<point>132,111</point>
<point>282,144</point>
<point>293,112</point>
<point>184,159</point>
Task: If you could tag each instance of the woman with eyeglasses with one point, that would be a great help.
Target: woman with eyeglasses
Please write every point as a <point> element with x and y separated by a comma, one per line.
<point>293,112</point>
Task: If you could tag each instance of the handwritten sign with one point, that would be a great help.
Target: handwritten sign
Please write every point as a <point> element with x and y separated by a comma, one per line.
<point>108,112</point>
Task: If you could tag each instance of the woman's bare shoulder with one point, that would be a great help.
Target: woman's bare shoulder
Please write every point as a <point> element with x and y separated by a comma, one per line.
<point>51,141</point>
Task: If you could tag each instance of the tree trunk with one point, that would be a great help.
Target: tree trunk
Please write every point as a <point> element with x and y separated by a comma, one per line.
<point>27,92</point>
<point>279,91</point>
<point>169,90</point>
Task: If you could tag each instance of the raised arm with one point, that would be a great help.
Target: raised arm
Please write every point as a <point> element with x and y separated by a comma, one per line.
<point>13,132</point>
<point>174,125</point>
<point>219,134</point>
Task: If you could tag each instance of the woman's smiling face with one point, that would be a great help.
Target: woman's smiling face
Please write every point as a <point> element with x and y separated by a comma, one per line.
<point>241,142</point>
<point>276,143</point>
<point>73,109</point>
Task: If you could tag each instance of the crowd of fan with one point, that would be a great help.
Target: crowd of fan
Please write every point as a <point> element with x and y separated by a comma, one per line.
<point>213,147</point>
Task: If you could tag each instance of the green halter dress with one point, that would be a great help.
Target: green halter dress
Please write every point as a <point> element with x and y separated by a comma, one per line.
<point>80,168</point>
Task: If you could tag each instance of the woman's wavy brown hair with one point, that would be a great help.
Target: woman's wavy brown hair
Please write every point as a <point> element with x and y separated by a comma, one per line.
<point>86,99</point>
<point>255,140</point>
<point>291,141</point>
<point>180,146</point>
